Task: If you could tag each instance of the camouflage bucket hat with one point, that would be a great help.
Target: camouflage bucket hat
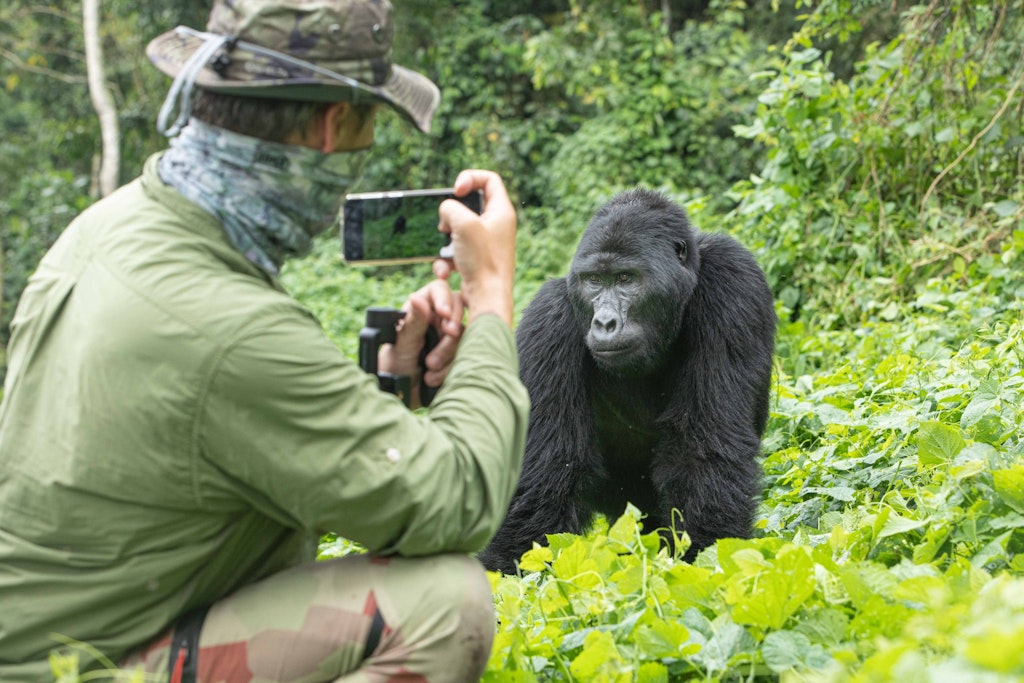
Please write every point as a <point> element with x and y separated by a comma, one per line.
<point>304,50</point>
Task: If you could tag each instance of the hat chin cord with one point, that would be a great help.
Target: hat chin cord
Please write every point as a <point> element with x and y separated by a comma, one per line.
<point>181,93</point>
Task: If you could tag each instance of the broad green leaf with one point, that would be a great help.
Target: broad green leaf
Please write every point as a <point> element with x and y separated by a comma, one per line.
<point>843,493</point>
<point>999,648</point>
<point>938,443</point>
<point>914,128</point>
<point>989,429</point>
<point>535,560</point>
<point>935,537</point>
<point>825,626</point>
<point>876,616</point>
<point>1005,208</point>
<point>692,586</point>
<point>1012,520</point>
<point>785,650</point>
<point>895,525</point>
<point>626,527</point>
<point>746,553</point>
<point>631,578</point>
<point>774,594</point>
<point>985,398</point>
<point>599,659</point>
<point>552,597</point>
<point>652,672</point>
<point>695,620</point>
<point>994,550</point>
<point>749,561</point>
<point>575,564</point>
<point>559,542</point>
<point>1009,485</point>
<point>661,638</point>
<point>866,580</point>
<point>965,578</point>
<point>729,639</point>
<point>928,591</point>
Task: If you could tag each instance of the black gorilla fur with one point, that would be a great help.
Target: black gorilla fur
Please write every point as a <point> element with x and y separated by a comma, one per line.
<point>649,370</point>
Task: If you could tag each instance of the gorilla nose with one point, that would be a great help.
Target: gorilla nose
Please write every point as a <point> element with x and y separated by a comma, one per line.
<point>604,328</point>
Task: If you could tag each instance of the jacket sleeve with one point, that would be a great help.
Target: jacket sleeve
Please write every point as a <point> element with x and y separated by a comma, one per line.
<point>291,426</point>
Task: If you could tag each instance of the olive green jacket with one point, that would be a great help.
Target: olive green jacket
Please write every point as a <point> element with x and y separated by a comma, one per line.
<point>175,426</point>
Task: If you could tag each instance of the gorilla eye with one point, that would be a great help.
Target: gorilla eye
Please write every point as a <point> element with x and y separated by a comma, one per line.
<point>624,278</point>
<point>681,251</point>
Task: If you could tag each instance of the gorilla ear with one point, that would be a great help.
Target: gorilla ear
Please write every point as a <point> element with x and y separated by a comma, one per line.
<point>681,251</point>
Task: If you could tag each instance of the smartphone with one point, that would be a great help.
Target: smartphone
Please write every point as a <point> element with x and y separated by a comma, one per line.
<point>398,226</point>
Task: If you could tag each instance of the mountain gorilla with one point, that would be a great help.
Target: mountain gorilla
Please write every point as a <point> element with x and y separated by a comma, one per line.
<point>649,369</point>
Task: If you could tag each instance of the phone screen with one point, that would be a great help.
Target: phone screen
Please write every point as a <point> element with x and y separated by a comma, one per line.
<point>398,226</point>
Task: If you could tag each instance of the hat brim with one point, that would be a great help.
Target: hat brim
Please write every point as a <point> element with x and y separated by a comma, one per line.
<point>408,92</point>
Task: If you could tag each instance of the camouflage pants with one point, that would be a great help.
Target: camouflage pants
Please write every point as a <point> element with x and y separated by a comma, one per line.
<point>311,624</point>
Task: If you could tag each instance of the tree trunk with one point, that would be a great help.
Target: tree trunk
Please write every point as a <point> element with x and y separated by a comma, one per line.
<point>102,102</point>
<point>1,300</point>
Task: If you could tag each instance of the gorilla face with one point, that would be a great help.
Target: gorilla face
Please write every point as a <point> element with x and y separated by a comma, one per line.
<point>631,279</point>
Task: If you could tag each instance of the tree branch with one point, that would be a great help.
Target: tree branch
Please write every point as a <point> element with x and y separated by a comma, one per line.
<point>19,63</point>
<point>102,102</point>
<point>979,136</point>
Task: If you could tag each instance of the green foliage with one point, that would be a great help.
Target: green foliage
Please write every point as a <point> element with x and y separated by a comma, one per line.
<point>611,606</point>
<point>889,543</point>
<point>51,134</point>
<point>910,169</point>
<point>656,106</point>
<point>33,214</point>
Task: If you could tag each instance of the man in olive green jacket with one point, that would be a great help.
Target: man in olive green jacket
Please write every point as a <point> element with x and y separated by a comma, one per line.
<point>176,432</point>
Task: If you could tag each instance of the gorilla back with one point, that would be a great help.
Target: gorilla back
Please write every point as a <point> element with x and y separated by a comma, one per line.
<point>649,370</point>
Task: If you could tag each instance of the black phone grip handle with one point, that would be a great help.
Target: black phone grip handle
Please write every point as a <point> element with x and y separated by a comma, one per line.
<point>380,329</point>
<point>427,392</point>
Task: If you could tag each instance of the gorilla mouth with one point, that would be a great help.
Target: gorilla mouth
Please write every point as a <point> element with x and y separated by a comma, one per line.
<point>609,352</point>
<point>613,358</point>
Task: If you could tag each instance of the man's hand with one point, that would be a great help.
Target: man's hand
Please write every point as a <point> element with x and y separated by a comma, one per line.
<point>432,305</point>
<point>484,255</point>
<point>484,245</point>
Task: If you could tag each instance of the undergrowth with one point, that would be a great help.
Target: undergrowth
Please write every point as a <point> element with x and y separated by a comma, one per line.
<point>888,546</point>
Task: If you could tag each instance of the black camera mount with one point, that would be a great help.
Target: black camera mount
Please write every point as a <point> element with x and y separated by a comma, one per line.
<point>382,328</point>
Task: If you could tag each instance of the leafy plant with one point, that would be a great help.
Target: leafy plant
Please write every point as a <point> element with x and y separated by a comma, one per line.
<point>909,170</point>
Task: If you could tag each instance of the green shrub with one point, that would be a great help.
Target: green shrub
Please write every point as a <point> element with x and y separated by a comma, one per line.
<point>909,170</point>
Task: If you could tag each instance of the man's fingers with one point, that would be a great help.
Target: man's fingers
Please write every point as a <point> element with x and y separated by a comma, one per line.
<point>440,359</point>
<point>442,267</point>
<point>417,313</point>
<point>495,194</point>
<point>439,297</point>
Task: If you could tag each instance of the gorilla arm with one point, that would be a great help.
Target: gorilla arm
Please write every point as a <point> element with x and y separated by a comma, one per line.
<point>553,359</point>
<point>706,466</point>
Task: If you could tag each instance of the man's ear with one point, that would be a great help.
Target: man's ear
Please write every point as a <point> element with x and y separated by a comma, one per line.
<point>333,122</point>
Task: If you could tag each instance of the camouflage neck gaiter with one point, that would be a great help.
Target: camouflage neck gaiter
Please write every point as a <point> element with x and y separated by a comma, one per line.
<point>271,198</point>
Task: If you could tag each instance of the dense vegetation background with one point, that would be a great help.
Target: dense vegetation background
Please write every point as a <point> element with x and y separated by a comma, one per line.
<point>869,152</point>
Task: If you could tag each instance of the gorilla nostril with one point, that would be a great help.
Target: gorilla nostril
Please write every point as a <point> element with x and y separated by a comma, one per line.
<point>605,325</point>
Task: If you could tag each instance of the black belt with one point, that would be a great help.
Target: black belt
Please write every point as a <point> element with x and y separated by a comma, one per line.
<point>183,658</point>
<point>375,634</point>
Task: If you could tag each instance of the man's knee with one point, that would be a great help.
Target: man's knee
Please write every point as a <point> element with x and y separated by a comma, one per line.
<point>442,608</point>
<point>449,587</point>
<point>462,580</point>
